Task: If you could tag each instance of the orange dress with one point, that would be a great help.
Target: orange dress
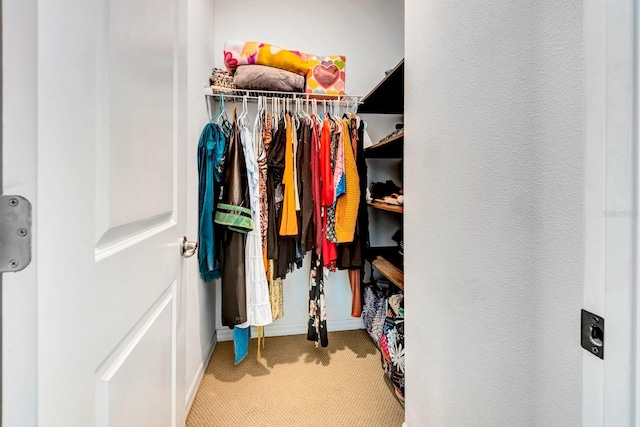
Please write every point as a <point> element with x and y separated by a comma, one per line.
<point>289,223</point>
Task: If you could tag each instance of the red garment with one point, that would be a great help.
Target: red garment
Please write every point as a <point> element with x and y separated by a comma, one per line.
<point>325,165</point>
<point>329,250</point>
<point>316,191</point>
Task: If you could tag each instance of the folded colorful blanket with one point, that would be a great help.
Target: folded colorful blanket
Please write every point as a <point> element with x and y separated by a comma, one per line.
<point>244,53</point>
<point>261,77</point>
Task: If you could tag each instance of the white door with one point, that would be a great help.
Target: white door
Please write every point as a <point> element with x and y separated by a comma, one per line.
<point>109,165</point>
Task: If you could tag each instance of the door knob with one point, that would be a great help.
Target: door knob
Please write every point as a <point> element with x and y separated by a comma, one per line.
<point>187,248</point>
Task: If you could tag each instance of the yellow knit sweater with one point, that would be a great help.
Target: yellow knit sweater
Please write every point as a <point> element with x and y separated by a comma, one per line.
<point>348,204</point>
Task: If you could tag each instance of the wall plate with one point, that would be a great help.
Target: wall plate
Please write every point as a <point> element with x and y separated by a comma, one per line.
<point>15,233</point>
<point>592,333</point>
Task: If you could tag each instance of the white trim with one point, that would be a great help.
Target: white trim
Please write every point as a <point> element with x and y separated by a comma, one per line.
<point>635,419</point>
<point>595,199</point>
<point>279,330</point>
<point>611,194</point>
<point>195,384</point>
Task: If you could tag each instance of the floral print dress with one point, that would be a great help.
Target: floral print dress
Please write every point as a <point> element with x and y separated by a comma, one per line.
<point>317,309</point>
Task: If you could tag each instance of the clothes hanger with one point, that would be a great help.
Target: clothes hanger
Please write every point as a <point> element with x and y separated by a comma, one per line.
<point>221,106</point>
<point>242,119</point>
<point>284,111</point>
<point>305,114</point>
<point>258,126</point>
<point>298,113</point>
<point>274,117</point>
<point>222,114</point>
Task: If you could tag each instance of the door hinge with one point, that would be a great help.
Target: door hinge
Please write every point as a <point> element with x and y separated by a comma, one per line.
<point>15,233</point>
<point>592,333</point>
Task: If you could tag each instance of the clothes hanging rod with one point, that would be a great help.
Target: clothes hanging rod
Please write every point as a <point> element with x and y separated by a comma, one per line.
<point>253,95</point>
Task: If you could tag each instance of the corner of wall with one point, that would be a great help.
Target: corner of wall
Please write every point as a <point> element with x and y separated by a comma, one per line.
<point>195,384</point>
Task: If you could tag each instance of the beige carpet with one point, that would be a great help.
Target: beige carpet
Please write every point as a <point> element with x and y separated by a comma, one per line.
<point>296,384</point>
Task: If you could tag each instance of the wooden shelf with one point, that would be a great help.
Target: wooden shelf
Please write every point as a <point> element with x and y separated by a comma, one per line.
<point>391,148</point>
<point>390,253</point>
<point>388,96</point>
<point>387,207</point>
<point>390,271</point>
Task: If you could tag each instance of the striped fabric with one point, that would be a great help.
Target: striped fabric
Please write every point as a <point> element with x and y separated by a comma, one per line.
<point>237,218</point>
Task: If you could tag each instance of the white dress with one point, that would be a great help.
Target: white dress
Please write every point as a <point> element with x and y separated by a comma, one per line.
<point>258,306</point>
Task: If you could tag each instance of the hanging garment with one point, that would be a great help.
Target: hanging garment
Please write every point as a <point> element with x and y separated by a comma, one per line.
<point>234,213</point>
<point>294,145</point>
<point>264,206</point>
<point>316,187</point>
<point>281,249</point>
<point>338,164</point>
<point>317,330</point>
<point>336,134</point>
<point>356,297</point>
<point>211,148</point>
<point>347,205</point>
<point>257,290</point>
<point>304,179</point>
<point>275,171</point>
<point>275,295</point>
<point>289,222</point>
<point>329,252</point>
<point>326,172</point>
<point>241,337</point>
<point>258,307</point>
<point>351,256</point>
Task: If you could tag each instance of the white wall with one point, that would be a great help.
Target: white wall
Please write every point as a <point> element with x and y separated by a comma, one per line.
<point>370,35</point>
<point>494,146</point>
<point>365,31</point>
<point>200,297</point>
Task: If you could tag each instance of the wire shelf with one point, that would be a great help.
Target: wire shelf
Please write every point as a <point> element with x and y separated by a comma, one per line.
<point>253,95</point>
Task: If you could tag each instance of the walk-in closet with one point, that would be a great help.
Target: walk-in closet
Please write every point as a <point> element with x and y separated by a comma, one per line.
<point>307,289</point>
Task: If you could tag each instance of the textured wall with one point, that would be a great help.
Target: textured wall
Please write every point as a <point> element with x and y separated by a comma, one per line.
<point>494,113</point>
<point>367,32</point>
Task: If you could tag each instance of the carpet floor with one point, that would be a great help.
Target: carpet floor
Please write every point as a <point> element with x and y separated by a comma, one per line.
<point>296,384</point>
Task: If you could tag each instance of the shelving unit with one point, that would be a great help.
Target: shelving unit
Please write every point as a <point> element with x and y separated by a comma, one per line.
<point>387,98</point>
<point>382,159</point>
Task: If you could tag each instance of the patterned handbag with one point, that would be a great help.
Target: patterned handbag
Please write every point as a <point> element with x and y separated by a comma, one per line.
<point>221,80</point>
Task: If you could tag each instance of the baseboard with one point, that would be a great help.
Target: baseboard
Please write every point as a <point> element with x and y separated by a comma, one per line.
<point>195,384</point>
<point>279,330</point>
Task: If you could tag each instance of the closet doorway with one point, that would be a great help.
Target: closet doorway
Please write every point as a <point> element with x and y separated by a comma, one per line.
<point>354,33</point>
